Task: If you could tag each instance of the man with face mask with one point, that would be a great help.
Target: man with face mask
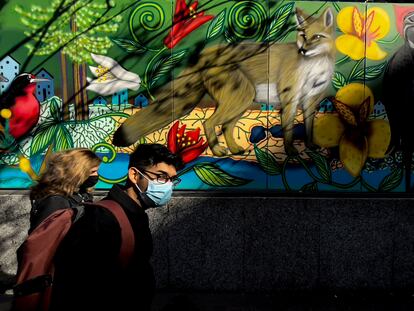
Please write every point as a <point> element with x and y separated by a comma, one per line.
<point>88,275</point>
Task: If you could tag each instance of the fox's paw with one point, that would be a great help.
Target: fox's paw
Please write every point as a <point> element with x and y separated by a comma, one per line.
<point>219,150</point>
<point>291,150</point>
<point>310,145</point>
<point>236,149</point>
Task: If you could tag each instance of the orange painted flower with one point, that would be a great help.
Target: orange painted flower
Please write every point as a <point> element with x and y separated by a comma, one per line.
<point>361,32</point>
<point>185,20</point>
<point>189,145</point>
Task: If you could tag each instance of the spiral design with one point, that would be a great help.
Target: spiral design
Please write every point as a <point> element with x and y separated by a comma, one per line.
<point>247,20</point>
<point>149,16</point>
<point>105,159</point>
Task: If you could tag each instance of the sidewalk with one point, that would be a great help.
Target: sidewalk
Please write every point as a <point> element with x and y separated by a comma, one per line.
<point>175,301</point>
<point>5,301</point>
<point>373,301</point>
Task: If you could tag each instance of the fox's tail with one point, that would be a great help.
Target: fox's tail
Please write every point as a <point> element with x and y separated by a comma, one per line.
<point>173,100</point>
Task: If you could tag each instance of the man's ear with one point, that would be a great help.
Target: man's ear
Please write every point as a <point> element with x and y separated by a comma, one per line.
<point>300,18</point>
<point>133,175</point>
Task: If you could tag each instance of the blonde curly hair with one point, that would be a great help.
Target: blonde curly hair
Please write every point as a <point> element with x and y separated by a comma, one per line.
<point>65,172</point>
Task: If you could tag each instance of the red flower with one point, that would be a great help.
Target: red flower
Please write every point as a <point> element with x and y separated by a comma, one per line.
<point>188,145</point>
<point>185,21</point>
<point>400,13</point>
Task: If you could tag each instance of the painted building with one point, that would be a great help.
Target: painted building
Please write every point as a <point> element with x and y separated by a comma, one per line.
<point>141,101</point>
<point>120,99</point>
<point>44,89</point>
<point>9,68</point>
<point>100,101</point>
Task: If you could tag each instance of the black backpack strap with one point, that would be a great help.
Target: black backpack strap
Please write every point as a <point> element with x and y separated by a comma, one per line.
<point>127,233</point>
<point>79,210</point>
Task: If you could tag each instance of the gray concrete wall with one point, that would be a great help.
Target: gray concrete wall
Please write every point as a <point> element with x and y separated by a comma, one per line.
<point>260,244</point>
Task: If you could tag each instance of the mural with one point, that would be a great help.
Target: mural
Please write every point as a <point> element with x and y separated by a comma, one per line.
<point>285,96</point>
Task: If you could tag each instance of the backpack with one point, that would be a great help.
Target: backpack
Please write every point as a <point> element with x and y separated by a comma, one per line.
<point>34,280</point>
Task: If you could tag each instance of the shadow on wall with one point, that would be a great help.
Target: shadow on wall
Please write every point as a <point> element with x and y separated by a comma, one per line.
<point>259,244</point>
<point>14,223</point>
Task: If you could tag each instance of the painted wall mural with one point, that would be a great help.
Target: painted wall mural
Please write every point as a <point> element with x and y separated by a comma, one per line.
<point>301,96</point>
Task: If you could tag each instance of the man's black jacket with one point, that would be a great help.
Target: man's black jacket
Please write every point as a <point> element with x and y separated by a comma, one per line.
<point>87,271</point>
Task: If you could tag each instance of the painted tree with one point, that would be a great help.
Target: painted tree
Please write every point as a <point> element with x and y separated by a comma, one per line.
<point>78,31</point>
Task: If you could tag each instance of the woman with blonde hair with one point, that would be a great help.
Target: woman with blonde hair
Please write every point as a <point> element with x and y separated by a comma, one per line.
<point>68,180</point>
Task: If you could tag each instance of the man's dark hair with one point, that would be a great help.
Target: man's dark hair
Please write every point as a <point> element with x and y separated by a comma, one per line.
<point>146,155</point>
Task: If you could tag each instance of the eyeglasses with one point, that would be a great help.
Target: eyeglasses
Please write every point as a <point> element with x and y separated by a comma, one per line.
<point>162,178</point>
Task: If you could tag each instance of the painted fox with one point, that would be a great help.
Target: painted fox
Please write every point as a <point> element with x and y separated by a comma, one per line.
<point>234,76</point>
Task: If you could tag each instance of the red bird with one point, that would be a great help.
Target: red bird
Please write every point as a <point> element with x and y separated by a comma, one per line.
<point>21,100</point>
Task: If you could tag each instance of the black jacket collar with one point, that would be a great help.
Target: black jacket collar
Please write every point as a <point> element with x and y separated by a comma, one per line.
<point>118,194</point>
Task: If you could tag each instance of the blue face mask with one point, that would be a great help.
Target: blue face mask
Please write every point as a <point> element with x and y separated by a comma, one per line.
<point>157,194</point>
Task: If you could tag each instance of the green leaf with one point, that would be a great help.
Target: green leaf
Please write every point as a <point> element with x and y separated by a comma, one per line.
<point>214,176</point>
<point>63,139</point>
<point>216,25</point>
<point>279,19</point>
<point>130,46</point>
<point>267,161</point>
<point>310,187</point>
<point>322,166</point>
<point>164,66</point>
<point>42,140</point>
<point>44,126</point>
<point>368,73</point>
<point>391,181</point>
<point>338,80</point>
<point>55,109</point>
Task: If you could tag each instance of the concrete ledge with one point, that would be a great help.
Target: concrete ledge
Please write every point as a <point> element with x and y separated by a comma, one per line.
<point>254,244</point>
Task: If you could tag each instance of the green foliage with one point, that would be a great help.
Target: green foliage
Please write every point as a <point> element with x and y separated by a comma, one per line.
<point>164,65</point>
<point>212,175</point>
<point>391,181</point>
<point>216,26</point>
<point>51,130</point>
<point>63,139</point>
<point>310,187</point>
<point>368,73</point>
<point>278,22</point>
<point>267,161</point>
<point>338,80</point>
<point>6,139</point>
<point>42,139</point>
<point>322,166</point>
<point>130,46</point>
<point>92,25</point>
<point>54,108</point>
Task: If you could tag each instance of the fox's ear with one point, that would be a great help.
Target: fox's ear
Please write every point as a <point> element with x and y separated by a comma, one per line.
<point>328,17</point>
<point>300,18</point>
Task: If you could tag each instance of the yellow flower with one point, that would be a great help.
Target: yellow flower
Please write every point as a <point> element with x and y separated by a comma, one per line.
<point>361,32</point>
<point>5,113</point>
<point>25,166</point>
<point>358,136</point>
